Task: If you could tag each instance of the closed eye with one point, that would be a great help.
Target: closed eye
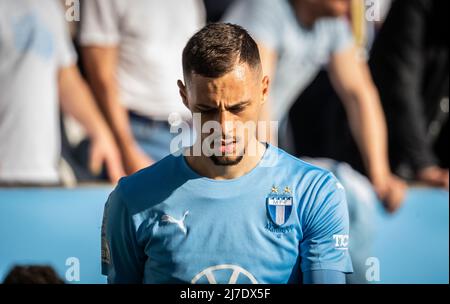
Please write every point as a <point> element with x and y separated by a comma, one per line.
<point>233,109</point>
<point>237,109</point>
<point>206,110</point>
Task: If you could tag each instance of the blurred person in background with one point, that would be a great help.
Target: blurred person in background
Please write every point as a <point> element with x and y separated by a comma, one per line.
<point>38,69</point>
<point>410,66</point>
<point>296,40</point>
<point>319,133</point>
<point>33,274</point>
<point>131,55</point>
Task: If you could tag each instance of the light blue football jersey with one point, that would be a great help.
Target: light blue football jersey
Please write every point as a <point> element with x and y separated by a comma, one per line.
<point>167,224</point>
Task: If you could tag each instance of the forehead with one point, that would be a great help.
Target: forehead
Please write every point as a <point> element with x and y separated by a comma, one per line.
<point>235,86</point>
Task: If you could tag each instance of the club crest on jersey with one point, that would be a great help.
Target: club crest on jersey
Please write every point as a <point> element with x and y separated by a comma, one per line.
<point>279,205</point>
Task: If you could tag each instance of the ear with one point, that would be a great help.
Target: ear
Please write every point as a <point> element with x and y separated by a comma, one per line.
<point>265,84</point>
<point>183,93</point>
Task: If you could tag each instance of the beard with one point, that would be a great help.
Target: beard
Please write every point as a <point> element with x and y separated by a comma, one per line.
<point>226,160</point>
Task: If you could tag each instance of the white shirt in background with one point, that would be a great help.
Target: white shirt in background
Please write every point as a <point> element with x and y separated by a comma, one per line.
<point>150,35</point>
<point>34,45</point>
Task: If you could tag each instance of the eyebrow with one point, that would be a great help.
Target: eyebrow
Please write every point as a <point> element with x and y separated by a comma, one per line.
<point>237,105</point>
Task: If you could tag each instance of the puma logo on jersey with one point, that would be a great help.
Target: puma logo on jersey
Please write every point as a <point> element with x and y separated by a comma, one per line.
<point>180,223</point>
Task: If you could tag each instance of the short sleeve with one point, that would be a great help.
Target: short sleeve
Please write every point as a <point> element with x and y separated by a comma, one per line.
<point>122,258</point>
<point>65,51</point>
<point>342,36</point>
<point>100,22</point>
<point>325,225</point>
<point>261,18</point>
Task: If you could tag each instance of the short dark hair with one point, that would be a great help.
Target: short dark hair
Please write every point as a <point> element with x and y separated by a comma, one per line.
<point>33,274</point>
<point>215,49</point>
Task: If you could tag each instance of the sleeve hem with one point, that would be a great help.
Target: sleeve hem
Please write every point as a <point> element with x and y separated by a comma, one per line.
<point>98,39</point>
<point>334,267</point>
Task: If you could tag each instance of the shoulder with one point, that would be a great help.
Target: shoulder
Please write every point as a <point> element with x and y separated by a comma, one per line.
<point>297,166</point>
<point>313,182</point>
<point>147,186</point>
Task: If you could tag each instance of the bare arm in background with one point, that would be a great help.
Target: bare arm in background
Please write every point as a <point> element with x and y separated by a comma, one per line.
<point>77,100</point>
<point>268,62</point>
<point>351,78</point>
<point>100,64</point>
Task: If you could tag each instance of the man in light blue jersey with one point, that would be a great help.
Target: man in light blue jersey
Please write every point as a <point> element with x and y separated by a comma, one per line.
<point>238,211</point>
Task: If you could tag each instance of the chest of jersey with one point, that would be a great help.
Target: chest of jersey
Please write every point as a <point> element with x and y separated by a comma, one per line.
<point>248,237</point>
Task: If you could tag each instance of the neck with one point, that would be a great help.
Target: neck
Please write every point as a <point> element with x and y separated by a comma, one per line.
<point>204,166</point>
<point>305,15</point>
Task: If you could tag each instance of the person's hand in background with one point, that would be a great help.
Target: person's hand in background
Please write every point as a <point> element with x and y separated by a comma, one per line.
<point>134,158</point>
<point>76,100</point>
<point>391,190</point>
<point>104,152</point>
<point>434,176</point>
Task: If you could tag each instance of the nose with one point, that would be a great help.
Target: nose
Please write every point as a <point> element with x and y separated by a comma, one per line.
<point>226,122</point>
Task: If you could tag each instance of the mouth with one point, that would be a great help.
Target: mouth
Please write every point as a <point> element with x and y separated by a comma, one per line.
<point>228,146</point>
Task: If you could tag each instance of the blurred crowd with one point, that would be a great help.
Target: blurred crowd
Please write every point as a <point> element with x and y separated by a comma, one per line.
<point>360,89</point>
